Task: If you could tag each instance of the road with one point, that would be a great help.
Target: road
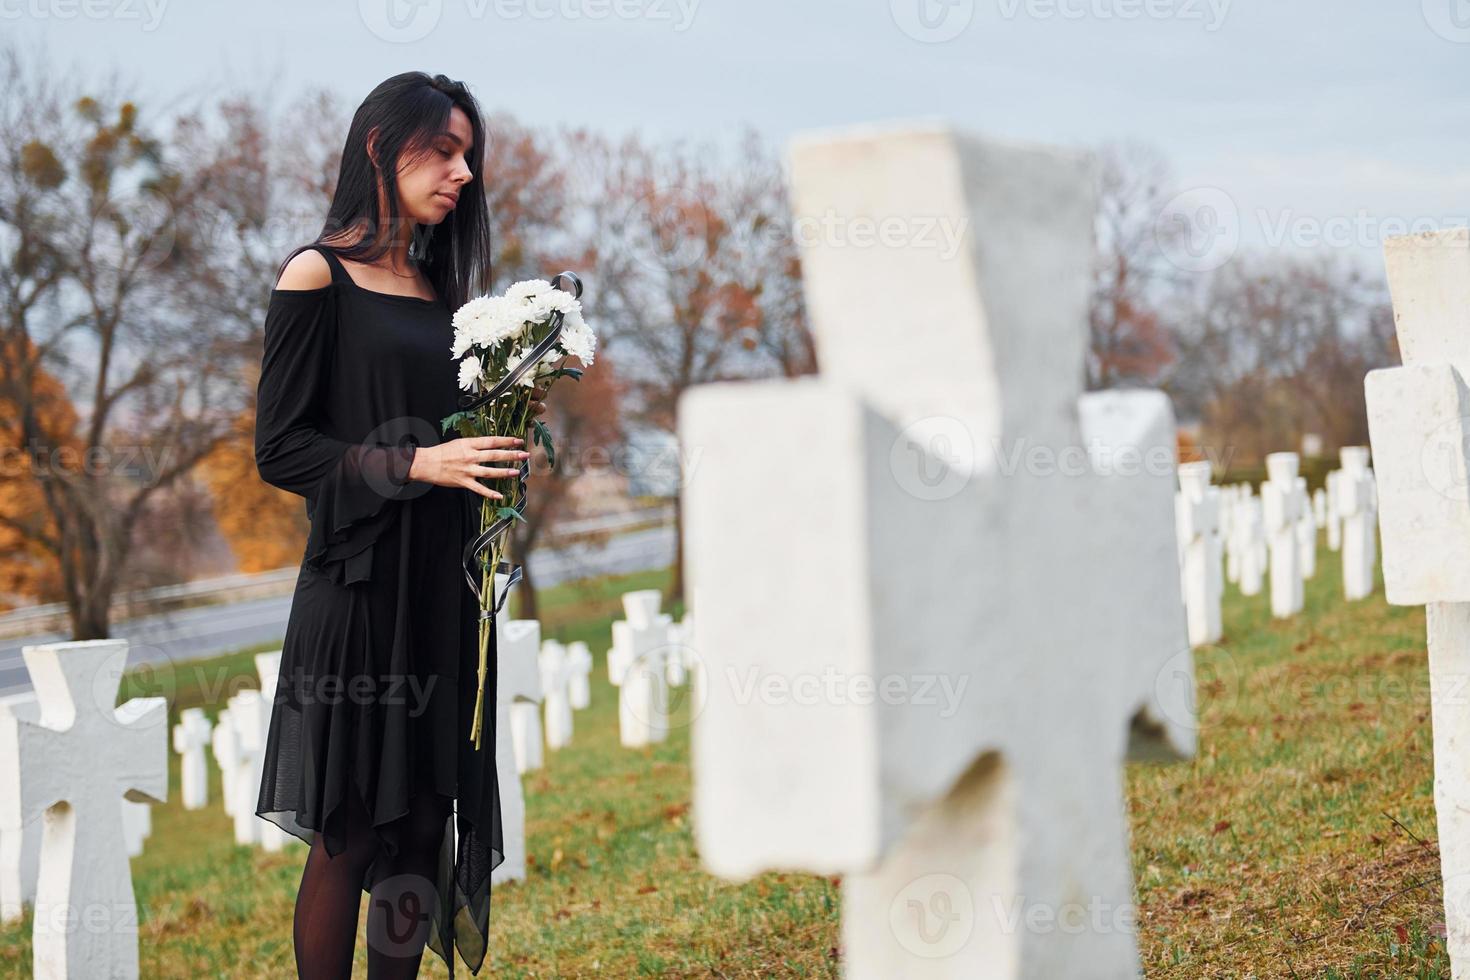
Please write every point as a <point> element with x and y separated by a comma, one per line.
<point>211,631</point>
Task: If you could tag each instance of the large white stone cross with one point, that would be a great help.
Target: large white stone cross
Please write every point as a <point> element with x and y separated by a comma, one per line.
<point>927,655</point>
<point>1419,429</point>
<point>74,763</point>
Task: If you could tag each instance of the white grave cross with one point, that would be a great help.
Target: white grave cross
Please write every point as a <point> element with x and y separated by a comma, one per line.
<point>517,679</point>
<point>73,765</point>
<point>1419,428</point>
<point>1199,526</point>
<point>1042,596</point>
<point>1355,503</point>
<point>191,735</point>
<point>1280,504</point>
<point>636,663</point>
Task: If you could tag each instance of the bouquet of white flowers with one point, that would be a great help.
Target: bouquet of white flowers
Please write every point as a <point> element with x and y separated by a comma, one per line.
<point>506,346</point>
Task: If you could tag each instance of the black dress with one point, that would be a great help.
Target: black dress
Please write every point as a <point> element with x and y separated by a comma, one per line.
<point>378,668</point>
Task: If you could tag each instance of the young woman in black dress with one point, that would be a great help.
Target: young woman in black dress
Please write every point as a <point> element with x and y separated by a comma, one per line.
<point>368,757</point>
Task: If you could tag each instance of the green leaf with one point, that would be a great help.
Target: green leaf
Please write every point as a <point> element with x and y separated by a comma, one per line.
<point>543,436</point>
<point>574,373</point>
<point>509,512</point>
<point>457,422</point>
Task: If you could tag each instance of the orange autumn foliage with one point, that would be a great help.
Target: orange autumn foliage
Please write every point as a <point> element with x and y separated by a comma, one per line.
<point>28,570</point>
<point>265,527</point>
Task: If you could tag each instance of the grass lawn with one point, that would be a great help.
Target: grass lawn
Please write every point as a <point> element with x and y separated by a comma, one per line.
<point>1300,842</point>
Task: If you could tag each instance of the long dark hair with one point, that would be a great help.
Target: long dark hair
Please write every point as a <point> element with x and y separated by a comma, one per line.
<point>408,110</point>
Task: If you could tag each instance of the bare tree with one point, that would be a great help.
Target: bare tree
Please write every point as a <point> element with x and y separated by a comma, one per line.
<point>1279,346</point>
<point>1133,283</point>
<point>678,303</point>
<point>95,249</point>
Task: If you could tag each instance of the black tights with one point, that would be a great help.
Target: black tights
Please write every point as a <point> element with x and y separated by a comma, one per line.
<point>330,897</point>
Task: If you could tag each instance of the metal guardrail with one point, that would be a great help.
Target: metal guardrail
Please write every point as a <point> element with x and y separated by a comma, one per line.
<point>53,617</point>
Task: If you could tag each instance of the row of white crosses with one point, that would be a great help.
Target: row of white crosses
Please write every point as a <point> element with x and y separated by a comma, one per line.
<point>1054,597</point>
<point>1278,530</point>
<point>67,758</point>
<point>237,741</point>
<point>546,681</point>
<point>1419,429</point>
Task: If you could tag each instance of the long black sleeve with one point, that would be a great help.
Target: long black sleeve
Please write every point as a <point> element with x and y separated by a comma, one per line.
<point>347,485</point>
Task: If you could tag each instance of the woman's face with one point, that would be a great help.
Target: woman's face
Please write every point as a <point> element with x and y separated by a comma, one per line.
<point>428,188</point>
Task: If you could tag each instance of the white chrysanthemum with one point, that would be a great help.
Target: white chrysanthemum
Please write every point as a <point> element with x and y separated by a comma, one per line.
<point>461,344</point>
<point>487,320</point>
<point>512,362</point>
<point>526,289</point>
<point>539,308</point>
<point>579,342</point>
<point>469,372</point>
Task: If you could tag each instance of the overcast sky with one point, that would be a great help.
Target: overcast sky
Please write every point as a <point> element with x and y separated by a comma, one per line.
<point>1311,118</point>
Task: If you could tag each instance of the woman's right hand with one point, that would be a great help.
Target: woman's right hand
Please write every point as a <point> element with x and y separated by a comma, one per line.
<point>461,462</point>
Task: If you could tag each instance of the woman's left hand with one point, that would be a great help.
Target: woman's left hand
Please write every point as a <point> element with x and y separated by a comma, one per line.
<point>538,403</point>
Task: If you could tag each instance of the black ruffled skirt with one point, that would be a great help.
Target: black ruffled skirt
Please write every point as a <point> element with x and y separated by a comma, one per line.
<point>375,697</point>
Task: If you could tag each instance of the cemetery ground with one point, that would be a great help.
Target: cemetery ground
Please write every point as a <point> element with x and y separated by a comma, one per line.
<point>1300,841</point>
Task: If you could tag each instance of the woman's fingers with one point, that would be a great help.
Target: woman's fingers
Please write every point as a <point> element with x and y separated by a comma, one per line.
<point>483,490</point>
<point>491,472</point>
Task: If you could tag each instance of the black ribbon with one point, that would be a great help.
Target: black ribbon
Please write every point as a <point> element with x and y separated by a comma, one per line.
<point>470,559</point>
